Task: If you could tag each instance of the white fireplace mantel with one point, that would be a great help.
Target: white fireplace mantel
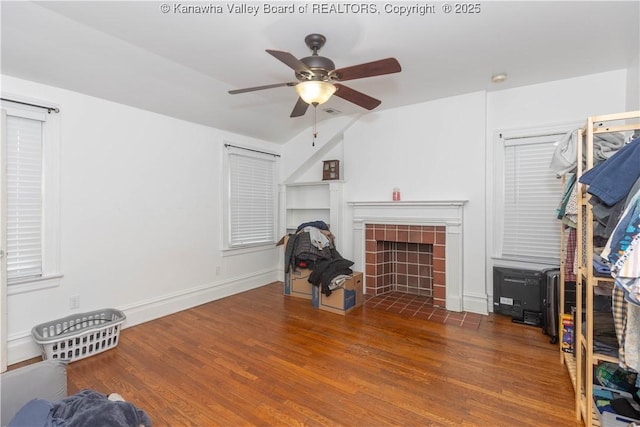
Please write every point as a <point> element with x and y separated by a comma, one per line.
<point>447,213</point>
<point>410,203</point>
<point>436,212</point>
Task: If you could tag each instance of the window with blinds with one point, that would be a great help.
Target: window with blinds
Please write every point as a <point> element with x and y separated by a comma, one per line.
<point>24,197</point>
<point>532,193</point>
<point>252,198</point>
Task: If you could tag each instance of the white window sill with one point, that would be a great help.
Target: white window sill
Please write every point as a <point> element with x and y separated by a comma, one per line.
<point>34,284</point>
<point>525,263</point>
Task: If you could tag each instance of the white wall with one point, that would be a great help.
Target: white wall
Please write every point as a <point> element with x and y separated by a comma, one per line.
<point>303,156</point>
<point>431,151</point>
<point>633,85</point>
<point>557,102</point>
<point>444,150</point>
<point>548,105</point>
<point>141,201</point>
<point>141,211</point>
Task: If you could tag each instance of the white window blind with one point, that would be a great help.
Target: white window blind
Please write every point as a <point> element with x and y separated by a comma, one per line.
<point>24,197</point>
<point>252,208</point>
<point>532,193</point>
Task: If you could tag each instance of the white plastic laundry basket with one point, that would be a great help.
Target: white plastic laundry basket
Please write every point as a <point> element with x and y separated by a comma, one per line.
<point>78,336</point>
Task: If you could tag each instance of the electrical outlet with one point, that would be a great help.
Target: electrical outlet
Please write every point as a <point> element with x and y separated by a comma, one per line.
<point>74,302</point>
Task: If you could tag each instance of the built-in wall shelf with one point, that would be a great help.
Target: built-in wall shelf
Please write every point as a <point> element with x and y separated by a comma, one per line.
<point>312,201</point>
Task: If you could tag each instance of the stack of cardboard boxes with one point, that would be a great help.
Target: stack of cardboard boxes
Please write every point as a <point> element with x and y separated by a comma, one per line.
<point>341,301</point>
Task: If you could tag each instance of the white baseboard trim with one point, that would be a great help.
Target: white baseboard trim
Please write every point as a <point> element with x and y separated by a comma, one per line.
<point>168,304</point>
<point>475,304</point>
<point>22,347</point>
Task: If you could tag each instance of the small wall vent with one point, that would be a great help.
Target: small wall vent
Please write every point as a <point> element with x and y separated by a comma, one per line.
<point>332,111</point>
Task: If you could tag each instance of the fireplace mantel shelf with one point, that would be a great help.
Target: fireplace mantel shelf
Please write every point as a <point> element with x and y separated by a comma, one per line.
<point>410,203</point>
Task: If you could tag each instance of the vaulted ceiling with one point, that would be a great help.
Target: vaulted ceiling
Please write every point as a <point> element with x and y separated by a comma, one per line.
<point>179,60</point>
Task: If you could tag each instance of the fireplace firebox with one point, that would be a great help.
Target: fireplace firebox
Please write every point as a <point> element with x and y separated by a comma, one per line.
<point>406,258</point>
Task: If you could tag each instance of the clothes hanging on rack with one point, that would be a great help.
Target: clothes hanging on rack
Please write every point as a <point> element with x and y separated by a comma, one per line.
<point>568,203</point>
<point>599,324</point>
<point>571,208</point>
<point>567,212</point>
<point>611,184</point>
<point>619,310</point>
<point>570,265</point>
<point>622,250</point>
<point>565,156</point>
<point>612,180</point>
<point>619,248</point>
<point>632,338</point>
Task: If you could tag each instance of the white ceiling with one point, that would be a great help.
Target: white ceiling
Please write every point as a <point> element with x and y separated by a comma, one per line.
<point>182,65</point>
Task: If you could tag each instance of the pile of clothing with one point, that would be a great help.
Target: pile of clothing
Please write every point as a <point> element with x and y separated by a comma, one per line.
<point>312,246</point>
<point>85,408</point>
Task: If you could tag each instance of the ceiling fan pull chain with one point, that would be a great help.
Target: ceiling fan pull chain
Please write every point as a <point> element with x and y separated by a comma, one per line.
<point>315,130</point>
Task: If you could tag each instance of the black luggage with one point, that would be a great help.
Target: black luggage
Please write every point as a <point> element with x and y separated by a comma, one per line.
<point>550,303</point>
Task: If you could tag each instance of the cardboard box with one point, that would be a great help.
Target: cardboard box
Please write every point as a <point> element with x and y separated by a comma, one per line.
<point>297,285</point>
<point>342,300</point>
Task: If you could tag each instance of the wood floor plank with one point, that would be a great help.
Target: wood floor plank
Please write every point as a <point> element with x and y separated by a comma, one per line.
<point>259,358</point>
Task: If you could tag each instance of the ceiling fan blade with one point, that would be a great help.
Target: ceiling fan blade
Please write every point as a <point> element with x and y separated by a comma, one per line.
<point>290,60</point>
<point>358,98</point>
<point>299,109</point>
<point>251,89</point>
<point>370,69</point>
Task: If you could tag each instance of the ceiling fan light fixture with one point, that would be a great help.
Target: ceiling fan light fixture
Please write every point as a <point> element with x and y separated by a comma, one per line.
<point>315,92</point>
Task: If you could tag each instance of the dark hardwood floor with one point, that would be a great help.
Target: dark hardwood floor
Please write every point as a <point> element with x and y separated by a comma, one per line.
<point>260,358</point>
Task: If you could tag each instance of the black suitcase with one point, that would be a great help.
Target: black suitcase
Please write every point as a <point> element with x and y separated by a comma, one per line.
<point>550,303</point>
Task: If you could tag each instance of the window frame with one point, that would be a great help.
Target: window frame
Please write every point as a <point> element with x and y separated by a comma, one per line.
<point>499,196</point>
<point>50,231</point>
<point>228,247</point>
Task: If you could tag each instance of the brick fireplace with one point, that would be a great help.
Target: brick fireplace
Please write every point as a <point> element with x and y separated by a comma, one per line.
<point>406,258</point>
<point>413,247</point>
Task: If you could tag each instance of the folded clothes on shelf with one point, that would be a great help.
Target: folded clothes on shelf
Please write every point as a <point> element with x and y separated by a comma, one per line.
<point>600,265</point>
